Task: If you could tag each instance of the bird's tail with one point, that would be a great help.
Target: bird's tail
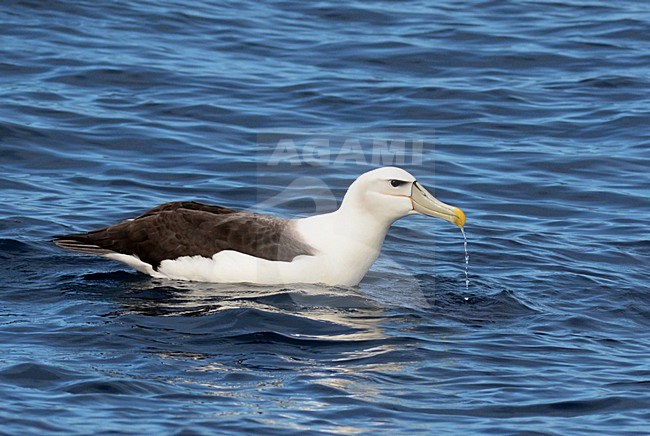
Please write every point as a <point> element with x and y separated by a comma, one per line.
<point>80,243</point>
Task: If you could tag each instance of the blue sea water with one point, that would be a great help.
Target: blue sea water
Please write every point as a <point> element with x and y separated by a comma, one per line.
<point>533,116</point>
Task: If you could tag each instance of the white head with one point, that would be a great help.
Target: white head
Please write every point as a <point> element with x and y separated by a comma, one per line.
<point>390,193</point>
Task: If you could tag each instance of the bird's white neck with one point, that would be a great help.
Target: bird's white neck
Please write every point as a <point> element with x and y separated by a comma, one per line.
<point>362,227</point>
<point>344,227</point>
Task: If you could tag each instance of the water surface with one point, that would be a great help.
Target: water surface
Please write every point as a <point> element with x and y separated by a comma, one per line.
<point>531,116</point>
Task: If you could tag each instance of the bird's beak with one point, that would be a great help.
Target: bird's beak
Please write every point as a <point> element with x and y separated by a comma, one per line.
<point>427,204</point>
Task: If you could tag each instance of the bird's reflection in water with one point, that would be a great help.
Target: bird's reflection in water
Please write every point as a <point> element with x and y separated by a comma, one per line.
<point>300,311</point>
<point>226,336</point>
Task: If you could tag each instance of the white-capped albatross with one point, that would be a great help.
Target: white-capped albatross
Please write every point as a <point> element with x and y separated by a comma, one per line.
<point>200,242</point>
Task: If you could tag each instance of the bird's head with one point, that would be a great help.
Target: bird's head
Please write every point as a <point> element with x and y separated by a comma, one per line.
<point>392,193</point>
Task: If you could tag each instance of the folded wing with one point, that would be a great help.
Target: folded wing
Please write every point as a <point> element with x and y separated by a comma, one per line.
<point>178,229</point>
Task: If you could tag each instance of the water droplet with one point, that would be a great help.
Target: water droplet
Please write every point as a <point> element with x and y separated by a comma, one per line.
<point>466,260</point>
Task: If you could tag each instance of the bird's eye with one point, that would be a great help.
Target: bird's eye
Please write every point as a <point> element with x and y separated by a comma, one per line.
<point>395,183</point>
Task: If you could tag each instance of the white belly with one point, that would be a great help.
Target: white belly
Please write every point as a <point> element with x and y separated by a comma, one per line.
<point>235,267</point>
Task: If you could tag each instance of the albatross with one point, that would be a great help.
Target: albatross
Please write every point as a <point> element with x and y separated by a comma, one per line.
<point>186,240</point>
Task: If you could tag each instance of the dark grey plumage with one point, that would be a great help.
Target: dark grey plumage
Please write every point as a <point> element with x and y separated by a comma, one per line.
<point>184,228</point>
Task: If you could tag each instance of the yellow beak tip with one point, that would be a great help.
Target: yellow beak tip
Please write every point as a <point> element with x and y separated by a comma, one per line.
<point>459,218</point>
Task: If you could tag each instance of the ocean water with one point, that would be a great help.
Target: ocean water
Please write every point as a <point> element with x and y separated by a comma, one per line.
<point>532,116</point>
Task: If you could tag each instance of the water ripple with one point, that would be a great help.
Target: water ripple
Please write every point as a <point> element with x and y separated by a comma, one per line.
<point>531,116</point>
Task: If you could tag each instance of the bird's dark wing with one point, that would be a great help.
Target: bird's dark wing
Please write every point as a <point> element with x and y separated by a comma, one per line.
<point>189,205</point>
<point>178,229</point>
